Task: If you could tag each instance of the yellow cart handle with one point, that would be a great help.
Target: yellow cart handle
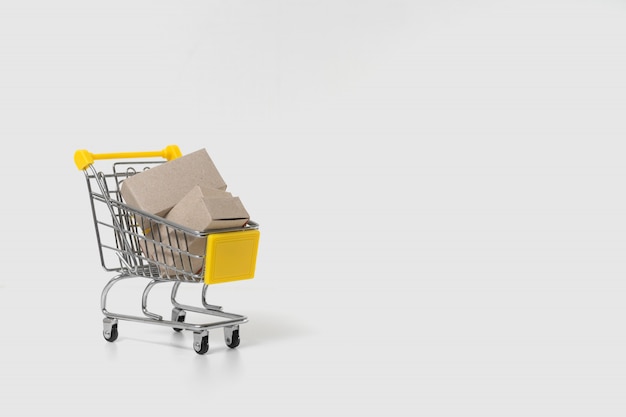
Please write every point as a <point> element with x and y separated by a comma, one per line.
<point>84,158</point>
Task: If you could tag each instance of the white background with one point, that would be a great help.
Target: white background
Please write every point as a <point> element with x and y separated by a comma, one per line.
<point>439,184</point>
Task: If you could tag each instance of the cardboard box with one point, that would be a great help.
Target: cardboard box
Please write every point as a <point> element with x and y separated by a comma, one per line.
<point>172,249</point>
<point>158,189</point>
<point>201,209</point>
<point>188,191</point>
<point>205,209</point>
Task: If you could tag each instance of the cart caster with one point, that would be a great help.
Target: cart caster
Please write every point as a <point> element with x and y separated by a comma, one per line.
<point>179,316</point>
<point>231,336</point>
<point>201,342</point>
<point>110,329</point>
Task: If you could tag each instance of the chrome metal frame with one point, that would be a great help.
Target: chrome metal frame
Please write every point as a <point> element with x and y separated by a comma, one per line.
<point>121,220</point>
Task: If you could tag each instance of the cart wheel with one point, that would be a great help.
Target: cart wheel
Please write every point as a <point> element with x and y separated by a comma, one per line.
<point>110,335</point>
<point>232,340</point>
<point>201,342</point>
<point>179,316</point>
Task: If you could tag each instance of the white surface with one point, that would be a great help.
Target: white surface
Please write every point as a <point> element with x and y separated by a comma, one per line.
<point>439,187</point>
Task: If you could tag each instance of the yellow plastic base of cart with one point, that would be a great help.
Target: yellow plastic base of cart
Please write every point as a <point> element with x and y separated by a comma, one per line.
<point>231,256</point>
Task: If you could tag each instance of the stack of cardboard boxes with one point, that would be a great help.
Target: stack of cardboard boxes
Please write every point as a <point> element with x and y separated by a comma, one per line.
<point>188,191</point>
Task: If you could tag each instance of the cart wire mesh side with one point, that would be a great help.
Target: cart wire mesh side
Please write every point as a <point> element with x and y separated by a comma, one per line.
<point>136,244</point>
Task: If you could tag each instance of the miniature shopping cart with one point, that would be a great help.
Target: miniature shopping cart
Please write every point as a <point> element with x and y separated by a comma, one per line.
<point>124,233</point>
